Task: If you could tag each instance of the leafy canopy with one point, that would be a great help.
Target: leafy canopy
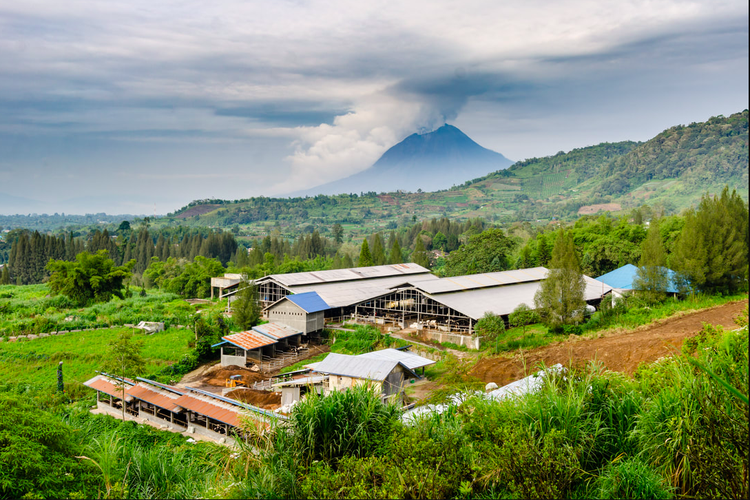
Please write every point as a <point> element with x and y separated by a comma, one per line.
<point>90,278</point>
<point>485,252</point>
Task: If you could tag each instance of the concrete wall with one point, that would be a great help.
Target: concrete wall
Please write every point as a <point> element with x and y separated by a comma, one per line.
<point>467,340</point>
<point>290,314</point>
<point>229,360</point>
<point>160,421</point>
<point>197,428</point>
<point>337,383</point>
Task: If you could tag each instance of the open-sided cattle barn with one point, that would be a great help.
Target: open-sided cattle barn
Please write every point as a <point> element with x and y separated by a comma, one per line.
<point>456,304</point>
<point>340,289</point>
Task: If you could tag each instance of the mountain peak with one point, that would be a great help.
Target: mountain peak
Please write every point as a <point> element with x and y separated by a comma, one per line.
<point>429,161</point>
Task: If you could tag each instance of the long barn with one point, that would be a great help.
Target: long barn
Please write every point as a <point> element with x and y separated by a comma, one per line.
<point>456,304</point>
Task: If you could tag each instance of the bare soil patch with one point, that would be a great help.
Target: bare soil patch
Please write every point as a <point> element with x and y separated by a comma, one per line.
<point>262,399</point>
<point>606,207</point>
<point>622,352</point>
<point>197,210</point>
<point>209,377</point>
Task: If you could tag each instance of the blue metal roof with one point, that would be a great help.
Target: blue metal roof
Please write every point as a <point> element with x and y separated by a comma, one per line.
<point>310,302</point>
<point>623,278</point>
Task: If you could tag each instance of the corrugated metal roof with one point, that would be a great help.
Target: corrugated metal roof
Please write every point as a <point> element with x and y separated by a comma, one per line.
<point>503,300</point>
<point>352,292</point>
<point>336,275</point>
<point>476,281</point>
<point>623,277</point>
<point>249,340</point>
<point>318,379</point>
<point>155,396</point>
<point>358,367</point>
<point>310,302</point>
<point>215,409</point>
<point>108,385</point>
<point>408,359</point>
<point>277,330</point>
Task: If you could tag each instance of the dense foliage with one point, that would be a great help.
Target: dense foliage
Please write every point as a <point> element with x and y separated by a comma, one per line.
<point>90,278</point>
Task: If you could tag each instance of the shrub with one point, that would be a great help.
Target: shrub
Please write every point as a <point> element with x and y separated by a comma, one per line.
<point>632,479</point>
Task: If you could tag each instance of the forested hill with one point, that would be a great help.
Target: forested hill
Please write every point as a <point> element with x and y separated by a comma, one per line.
<point>700,154</point>
<point>671,170</point>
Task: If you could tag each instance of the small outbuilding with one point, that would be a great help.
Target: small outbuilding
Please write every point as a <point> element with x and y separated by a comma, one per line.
<point>239,348</point>
<point>303,311</point>
<point>345,371</point>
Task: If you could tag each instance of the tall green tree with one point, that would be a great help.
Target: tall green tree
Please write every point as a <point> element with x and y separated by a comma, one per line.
<point>123,359</point>
<point>365,259</point>
<point>338,233</point>
<point>378,253</point>
<point>419,255</point>
<point>652,278</point>
<point>5,275</point>
<point>486,252</point>
<point>90,278</point>
<point>711,253</point>
<point>246,308</point>
<point>560,298</point>
<point>394,257</point>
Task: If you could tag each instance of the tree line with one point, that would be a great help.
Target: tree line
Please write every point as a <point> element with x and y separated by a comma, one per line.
<point>31,251</point>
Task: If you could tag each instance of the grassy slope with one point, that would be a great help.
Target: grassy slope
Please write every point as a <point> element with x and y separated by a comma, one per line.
<point>34,363</point>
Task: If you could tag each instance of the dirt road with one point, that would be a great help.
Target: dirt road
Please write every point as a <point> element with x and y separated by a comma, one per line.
<point>621,352</point>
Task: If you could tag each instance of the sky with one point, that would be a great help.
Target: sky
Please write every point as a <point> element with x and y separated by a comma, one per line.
<point>143,106</point>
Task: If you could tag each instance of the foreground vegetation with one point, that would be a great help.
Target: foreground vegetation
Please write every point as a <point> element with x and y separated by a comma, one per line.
<point>679,429</point>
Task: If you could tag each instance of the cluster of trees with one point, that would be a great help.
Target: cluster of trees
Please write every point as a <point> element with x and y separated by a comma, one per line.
<point>31,251</point>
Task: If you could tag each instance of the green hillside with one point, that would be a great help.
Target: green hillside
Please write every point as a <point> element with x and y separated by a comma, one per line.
<point>672,170</point>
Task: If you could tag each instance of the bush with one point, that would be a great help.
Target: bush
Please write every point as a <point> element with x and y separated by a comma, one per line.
<point>632,479</point>
<point>490,326</point>
<point>351,422</point>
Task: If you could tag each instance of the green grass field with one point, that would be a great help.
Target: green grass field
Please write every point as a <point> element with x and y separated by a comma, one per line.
<point>32,364</point>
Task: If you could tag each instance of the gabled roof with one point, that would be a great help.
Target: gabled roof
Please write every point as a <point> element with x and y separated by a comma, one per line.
<point>109,385</point>
<point>624,276</point>
<point>248,340</point>
<point>359,367</point>
<point>156,396</point>
<point>310,302</point>
<point>476,281</point>
<point>408,359</point>
<point>277,331</point>
<point>336,275</point>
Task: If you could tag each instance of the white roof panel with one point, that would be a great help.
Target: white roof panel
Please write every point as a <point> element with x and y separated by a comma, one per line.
<point>357,366</point>
<point>342,294</point>
<point>350,274</point>
<point>503,300</point>
<point>408,359</point>
<point>476,281</point>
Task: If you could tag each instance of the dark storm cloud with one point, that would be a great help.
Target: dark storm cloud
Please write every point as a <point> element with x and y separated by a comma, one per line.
<point>323,88</point>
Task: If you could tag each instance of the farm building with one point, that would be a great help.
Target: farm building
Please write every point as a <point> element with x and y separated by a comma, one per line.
<point>228,282</point>
<point>181,409</point>
<point>239,348</point>
<point>340,289</point>
<point>270,345</point>
<point>456,304</point>
<point>303,311</point>
<point>621,280</point>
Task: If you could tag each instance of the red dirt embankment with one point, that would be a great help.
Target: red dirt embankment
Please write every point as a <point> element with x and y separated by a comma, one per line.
<point>621,352</point>
<point>262,399</point>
